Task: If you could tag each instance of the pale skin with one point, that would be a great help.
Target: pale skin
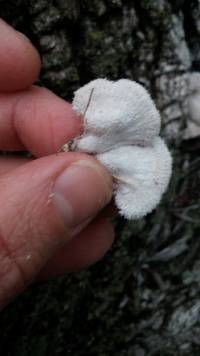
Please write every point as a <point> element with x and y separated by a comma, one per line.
<point>51,219</point>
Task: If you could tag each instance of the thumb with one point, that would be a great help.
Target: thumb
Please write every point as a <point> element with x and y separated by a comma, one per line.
<point>43,203</point>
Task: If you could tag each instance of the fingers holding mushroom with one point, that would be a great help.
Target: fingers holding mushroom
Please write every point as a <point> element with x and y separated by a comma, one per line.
<point>121,127</point>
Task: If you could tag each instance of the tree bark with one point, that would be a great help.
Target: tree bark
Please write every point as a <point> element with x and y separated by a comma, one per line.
<point>143,299</point>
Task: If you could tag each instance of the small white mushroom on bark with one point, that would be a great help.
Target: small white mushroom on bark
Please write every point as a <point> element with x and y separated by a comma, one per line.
<point>121,127</point>
<point>193,128</point>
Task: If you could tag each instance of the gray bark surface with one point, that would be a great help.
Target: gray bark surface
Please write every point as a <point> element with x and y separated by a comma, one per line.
<point>143,299</point>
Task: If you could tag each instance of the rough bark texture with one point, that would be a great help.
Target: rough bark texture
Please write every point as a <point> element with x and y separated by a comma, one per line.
<point>143,299</point>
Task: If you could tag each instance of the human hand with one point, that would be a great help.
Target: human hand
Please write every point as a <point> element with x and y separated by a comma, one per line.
<point>49,217</point>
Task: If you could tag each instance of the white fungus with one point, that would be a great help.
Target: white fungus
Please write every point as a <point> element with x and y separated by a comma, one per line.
<point>141,175</point>
<point>121,128</point>
<point>193,127</point>
<point>115,114</point>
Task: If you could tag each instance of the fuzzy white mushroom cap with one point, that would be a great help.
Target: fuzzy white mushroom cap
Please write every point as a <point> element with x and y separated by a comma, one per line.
<point>115,114</point>
<point>121,127</point>
<point>142,175</point>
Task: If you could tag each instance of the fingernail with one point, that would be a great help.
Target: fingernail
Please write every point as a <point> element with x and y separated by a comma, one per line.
<point>6,25</point>
<point>23,36</point>
<point>81,191</point>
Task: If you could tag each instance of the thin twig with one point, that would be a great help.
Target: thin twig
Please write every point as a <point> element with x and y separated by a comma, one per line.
<point>89,101</point>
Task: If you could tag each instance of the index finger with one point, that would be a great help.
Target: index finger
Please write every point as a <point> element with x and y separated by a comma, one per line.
<point>19,60</point>
<point>36,120</point>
